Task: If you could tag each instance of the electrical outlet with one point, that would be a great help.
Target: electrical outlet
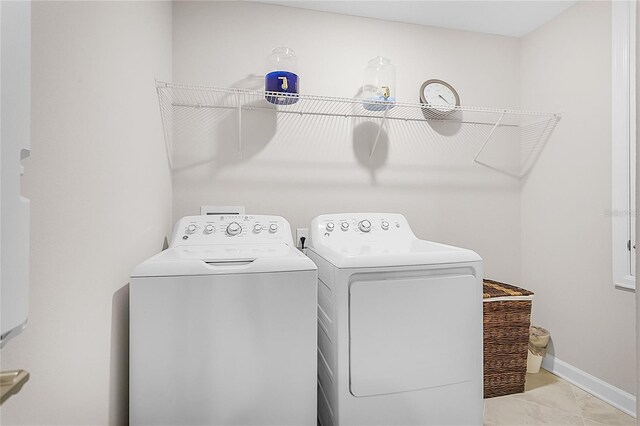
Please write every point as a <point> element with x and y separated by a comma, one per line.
<point>302,232</point>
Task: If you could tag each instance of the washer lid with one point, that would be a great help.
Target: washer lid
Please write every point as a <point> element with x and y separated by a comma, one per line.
<point>224,259</point>
<point>368,240</point>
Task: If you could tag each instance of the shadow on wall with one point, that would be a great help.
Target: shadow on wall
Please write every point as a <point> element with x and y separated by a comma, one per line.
<point>551,353</point>
<point>364,137</point>
<point>251,82</point>
<point>449,127</point>
<point>119,368</point>
<point>370,143</point>
<point>222,137</point>
<point>257,129</point>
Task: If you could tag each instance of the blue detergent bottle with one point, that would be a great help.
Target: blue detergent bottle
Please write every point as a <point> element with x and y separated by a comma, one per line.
<point>281,77</point>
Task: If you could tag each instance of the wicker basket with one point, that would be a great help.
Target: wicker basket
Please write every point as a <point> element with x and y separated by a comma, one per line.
<point>507,318</point>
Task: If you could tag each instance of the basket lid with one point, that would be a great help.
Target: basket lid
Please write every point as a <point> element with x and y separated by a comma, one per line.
<point>492,288</point>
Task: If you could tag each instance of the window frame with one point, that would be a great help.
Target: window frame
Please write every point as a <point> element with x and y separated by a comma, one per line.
<point>623,123</point>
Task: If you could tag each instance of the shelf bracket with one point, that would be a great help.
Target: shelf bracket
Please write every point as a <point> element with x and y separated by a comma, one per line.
<point>375,142</point>
<point>486,141</point>
<point>239,125</point>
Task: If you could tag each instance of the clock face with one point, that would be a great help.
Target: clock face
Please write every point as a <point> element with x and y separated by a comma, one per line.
<point>439,95</point>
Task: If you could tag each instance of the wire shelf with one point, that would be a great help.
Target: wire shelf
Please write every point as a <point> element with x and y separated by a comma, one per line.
<point>529,129</point>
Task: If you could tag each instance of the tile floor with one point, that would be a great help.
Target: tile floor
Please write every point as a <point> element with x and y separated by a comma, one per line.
<point>549,400</point>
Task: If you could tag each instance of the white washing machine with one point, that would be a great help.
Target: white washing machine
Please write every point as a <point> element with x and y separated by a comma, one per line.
<point>223,327</point>
<point>399,324</point>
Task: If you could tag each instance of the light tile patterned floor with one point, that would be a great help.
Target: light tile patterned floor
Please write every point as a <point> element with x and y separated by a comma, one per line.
<point>549,400</point>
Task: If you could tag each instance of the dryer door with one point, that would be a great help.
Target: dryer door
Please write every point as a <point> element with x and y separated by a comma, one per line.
<point>413,333</point>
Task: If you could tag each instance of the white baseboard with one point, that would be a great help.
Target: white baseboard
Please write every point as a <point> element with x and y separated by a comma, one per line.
<point>617,397</point>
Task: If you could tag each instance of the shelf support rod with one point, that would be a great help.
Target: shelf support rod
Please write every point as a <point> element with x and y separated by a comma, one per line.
<point>493,129</point>
<point>239,125</point>
<point>375,142</point>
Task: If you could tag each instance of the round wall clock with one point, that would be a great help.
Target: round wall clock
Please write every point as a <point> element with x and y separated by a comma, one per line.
<point>439,96</point>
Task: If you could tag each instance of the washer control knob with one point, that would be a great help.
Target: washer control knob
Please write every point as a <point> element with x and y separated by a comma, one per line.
<point>257,228</point>
<point>330,226</point>
<point>385,225</point>
<point>364,225</point>
<point>191,228</point>
<point>234,228</point>
<point>344,226</point>
<point>209,229</point>
<point>273,227</point>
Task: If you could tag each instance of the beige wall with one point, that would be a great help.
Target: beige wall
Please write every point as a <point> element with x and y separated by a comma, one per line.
<point>100,195</point>
<point>566,233</point>
<point>321,165</point>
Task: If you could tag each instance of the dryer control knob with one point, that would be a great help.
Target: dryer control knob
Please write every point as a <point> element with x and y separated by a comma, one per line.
<point>257,228</point>
<point>385,225</point>
<point>234,228</point>
<point>191,228</point>
<point>209,229</point>
<point>330,226</point>
<point>364,225</point>
<point>344,226</point>
<point>273,227</point>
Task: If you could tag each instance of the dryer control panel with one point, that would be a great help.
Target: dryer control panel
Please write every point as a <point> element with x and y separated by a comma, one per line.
<point>231,229</point>
<point>347,228</point>
<point>371,240</point>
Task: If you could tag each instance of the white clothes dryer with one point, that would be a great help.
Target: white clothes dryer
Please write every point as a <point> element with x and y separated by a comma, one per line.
<point>223,327</point>
<point>399,324</point>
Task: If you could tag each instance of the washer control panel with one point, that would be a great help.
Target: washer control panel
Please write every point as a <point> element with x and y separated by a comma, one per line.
<point>231,229</point>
